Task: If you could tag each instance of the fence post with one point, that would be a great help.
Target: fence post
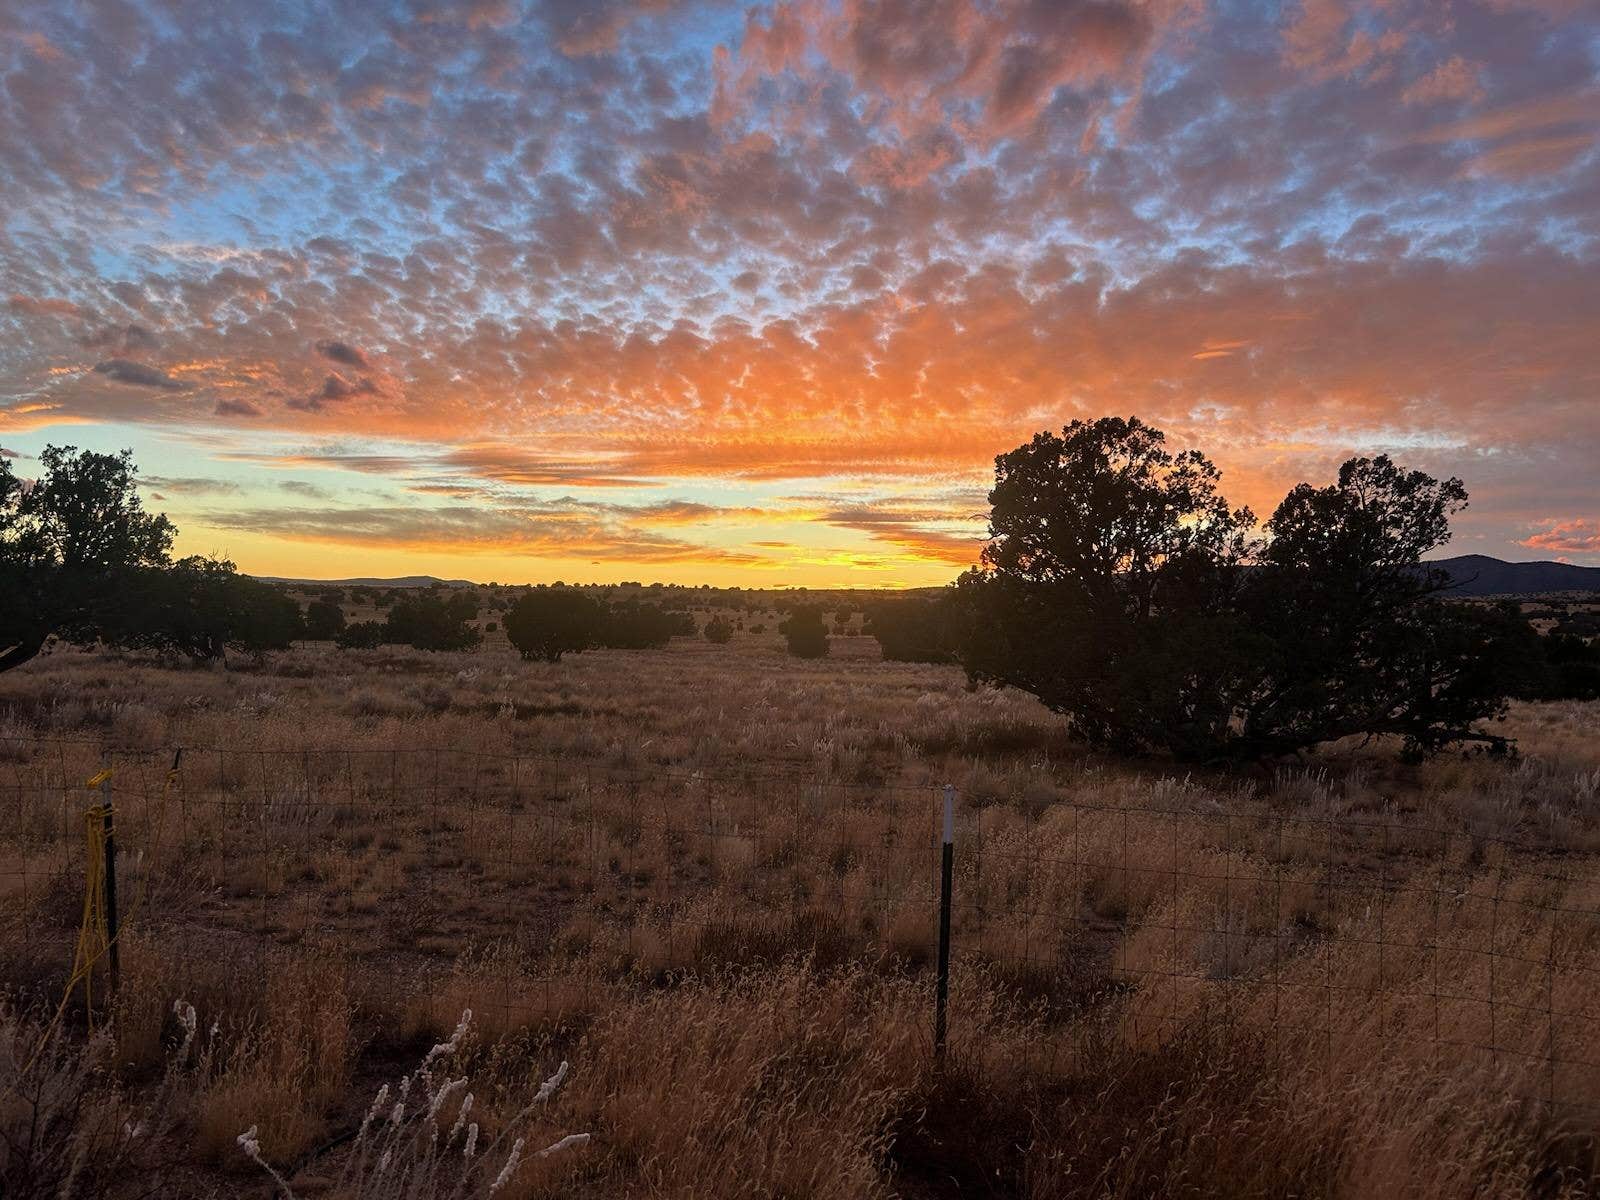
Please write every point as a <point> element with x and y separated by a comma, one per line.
<point>947,861</point>
<point>113,956</point>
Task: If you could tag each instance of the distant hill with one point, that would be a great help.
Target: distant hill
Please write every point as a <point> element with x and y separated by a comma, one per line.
<point>1480,575</point>
<point>403,581</point>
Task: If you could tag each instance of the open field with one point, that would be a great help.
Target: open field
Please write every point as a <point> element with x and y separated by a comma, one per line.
<point>707,876</point>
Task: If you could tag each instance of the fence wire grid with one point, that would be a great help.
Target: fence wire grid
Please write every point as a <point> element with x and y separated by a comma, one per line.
<point>1342,938</point>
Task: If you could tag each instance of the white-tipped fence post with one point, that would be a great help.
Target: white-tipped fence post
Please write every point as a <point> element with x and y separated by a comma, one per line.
<point>941,998</point>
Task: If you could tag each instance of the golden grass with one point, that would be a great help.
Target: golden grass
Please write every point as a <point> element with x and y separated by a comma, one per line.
<point>706,875</point>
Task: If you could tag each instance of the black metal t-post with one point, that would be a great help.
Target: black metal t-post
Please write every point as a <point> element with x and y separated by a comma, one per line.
<point>946,869</point>
<point>114,958</point>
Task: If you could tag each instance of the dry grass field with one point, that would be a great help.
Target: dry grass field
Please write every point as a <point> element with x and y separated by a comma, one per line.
<point>706,877</point>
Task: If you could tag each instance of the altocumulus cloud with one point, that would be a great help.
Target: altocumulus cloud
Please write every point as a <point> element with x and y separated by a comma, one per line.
<point>139,374</point>
<point>604,246</point>
<point>342,352</point>
<point>465,530</point>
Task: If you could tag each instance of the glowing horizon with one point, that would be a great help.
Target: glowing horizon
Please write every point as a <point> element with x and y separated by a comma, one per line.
<point>690,292</point>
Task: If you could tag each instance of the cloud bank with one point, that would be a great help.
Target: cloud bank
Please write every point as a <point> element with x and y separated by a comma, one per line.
<point>703,253</point>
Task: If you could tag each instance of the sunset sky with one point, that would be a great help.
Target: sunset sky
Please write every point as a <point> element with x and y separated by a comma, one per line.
<point>754,294</point>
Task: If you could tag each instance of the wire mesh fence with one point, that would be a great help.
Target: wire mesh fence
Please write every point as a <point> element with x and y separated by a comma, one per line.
<point>527,884</point>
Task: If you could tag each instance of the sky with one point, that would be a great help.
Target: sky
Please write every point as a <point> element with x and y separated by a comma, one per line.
<point>754,294</point>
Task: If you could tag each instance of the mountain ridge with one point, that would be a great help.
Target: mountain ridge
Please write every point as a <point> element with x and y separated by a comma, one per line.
<point>1481,575</point>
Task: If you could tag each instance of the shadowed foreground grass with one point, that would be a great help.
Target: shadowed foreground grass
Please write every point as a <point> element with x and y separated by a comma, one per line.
<point>1165,985</point>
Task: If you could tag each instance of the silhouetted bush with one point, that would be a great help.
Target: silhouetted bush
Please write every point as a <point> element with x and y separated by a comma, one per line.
<point>1121,589</point>
<point>1572,668</point>
<point>1556,666</point>
<point>202,607</point>
<point>718,631</point>
<point>324,620</point>
<point>915,630</point>
<point>435,619</point>
<point>630,625</point>
<point>362,635</point>
<point>805,633</point>
<point>545,623</point>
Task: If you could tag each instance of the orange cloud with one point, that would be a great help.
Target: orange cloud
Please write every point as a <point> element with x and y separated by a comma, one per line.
<point>1572,536</point>
<point>674,262</point>
<point>471,530</point>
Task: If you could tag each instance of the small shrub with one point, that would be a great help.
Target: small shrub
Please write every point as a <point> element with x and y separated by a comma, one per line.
<point>805,633</point>
<point>363,635</point>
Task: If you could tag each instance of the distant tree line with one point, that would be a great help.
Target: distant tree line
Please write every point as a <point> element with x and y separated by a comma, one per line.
<point>541,623</point>
<point>81,561</point>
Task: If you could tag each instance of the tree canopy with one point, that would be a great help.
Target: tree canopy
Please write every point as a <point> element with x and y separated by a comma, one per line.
<point>1123,590</point>
<point>324,619</point>
<point>70,543</point>
<point>201,607</point>
<point>545,623</point>
<point>433,620</point>
<point>804,632</point>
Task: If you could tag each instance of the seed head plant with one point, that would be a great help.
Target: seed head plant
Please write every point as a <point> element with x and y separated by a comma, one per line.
<point>402,1155</point>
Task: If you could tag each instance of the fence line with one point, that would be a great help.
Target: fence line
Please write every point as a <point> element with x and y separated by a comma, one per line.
<point>1341,936</point>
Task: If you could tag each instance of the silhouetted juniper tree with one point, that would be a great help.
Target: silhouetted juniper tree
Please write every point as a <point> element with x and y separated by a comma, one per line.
<point>201,607</point>
<point>1122,589</point>
<point>324,620</point>
<point>69,543</point>
<point>433,620</point>
<point>547,622</point>
<point>803,630</point>
<point>914,630</point>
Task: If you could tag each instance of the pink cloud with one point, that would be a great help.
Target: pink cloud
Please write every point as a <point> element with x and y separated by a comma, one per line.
<point>1577,535</point>
<point>864,240</point>
<point>1454,79</point>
